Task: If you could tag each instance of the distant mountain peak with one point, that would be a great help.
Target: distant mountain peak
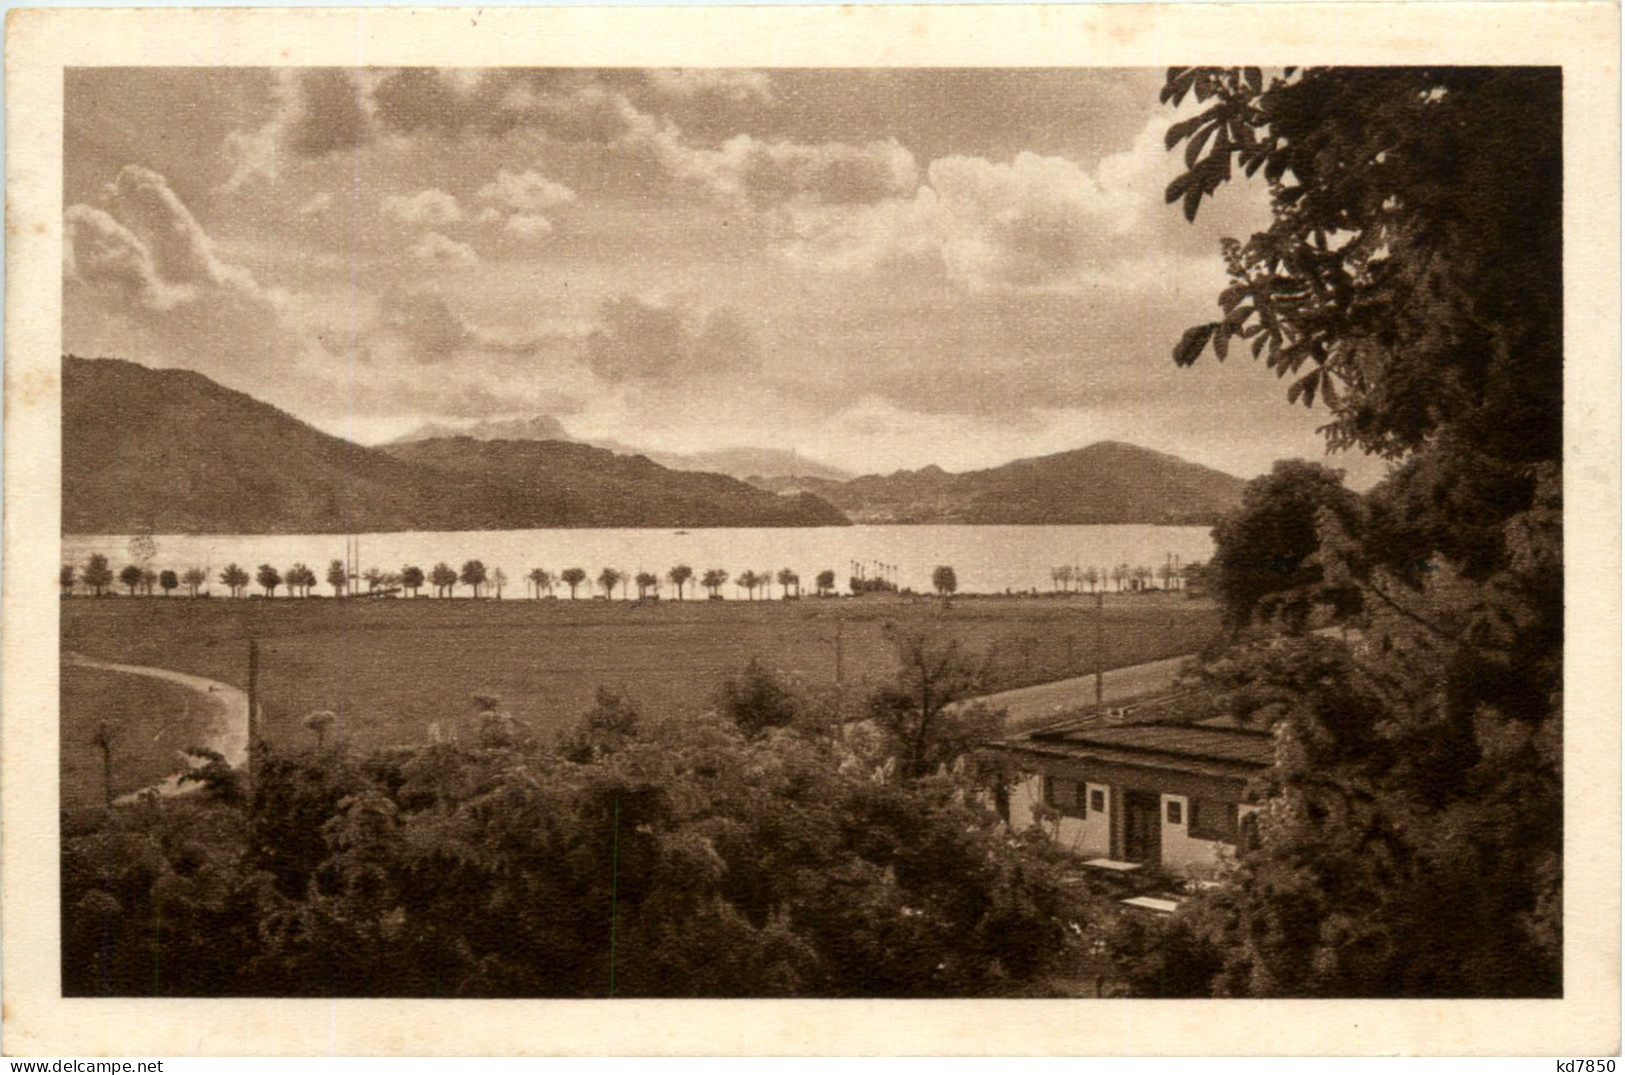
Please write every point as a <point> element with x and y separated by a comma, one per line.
<point>532,427</point>
<point>1100,483</point>
<point>171,451</point>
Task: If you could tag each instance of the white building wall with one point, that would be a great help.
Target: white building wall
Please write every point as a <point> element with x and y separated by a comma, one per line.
<point>1182,852</point>
<point>1089,836</point>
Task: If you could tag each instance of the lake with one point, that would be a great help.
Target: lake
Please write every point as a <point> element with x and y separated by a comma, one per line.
<point>986,559</point>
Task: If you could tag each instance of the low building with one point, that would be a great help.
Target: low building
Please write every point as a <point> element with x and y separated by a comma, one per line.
<point>1172,796</point>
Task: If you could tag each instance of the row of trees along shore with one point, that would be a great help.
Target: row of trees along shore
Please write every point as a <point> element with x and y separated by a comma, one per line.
<point>96,575</point>
<point>1069,578</point>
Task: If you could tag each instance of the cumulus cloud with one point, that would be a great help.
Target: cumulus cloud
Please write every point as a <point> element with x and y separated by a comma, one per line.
<point>433,207</point>
<point>419,324</point>
<point>99,251</point>
<point>524,192</point>
<point>145,245</point>
<point>734,84</point>
<point>318,111</point>
<point>761,173</point>
<point>424,323</point>
<point>1034,221</point>
<point>640,341</point>
<point>528,227</point>
<point>437,249</point>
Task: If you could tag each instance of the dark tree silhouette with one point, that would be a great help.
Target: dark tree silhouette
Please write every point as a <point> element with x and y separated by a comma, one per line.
<point>96,574</point>
<point>235,579</point>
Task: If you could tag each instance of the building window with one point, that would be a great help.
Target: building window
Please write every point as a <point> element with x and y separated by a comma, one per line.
<point>1067,796</point>
<point>1213,820</point>
<point>1176,812</point>
<point>1097,800</point>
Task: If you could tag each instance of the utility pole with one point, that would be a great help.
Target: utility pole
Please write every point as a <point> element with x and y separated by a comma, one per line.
<point>1100,651</point>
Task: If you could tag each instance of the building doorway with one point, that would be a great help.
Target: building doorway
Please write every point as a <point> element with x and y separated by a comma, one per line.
<point>1142,827</point>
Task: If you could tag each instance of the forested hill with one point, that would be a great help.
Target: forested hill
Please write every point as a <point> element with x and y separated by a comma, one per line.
<point>170,451</point>
<point>1108,482</point>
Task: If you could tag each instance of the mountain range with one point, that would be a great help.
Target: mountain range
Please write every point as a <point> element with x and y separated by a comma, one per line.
<point>747,463</point>
<point>171,451</point>
<point>1107,482</point>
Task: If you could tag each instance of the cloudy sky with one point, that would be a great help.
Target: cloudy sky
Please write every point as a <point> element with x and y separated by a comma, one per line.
<point>880,269</point>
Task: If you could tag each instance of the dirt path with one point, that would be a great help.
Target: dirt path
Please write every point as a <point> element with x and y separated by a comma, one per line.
<point>1027,707</point>
<point>225,714</point>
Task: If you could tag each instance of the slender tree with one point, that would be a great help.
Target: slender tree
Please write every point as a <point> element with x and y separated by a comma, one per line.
<point>499,579</point>
<point>194,577</point>
<point>444,578</point>
<point>787,579</point>
<point>608,579</point>
<point>945,580</point>
<point>319,723</point>
<point>131,577</point>
<point>825,582</point>
<point>168,581</point>
<point>473,575</point>
<point>269,578</point>
<point>679,576</point>
<point>1120,575</point>
<point>235,579</point>
<point>373,577</point>
<point>748,580</point>
<point>573,577</point>
<point>96,574</point>
<point>647,580</point>
<point>337,577</point>
<point>713,581</point>
<point>65,579</point>
<point>411,579</point>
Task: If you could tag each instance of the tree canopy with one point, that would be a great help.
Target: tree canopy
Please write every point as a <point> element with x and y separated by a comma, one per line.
<point>1411,282</point>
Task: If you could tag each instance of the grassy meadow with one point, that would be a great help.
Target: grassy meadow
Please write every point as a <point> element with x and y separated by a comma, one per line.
<point>390,667</point>
<point>151,721</point>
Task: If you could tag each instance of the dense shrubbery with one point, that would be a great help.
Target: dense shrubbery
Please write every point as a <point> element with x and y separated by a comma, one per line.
<point>680,856</point>
<point>1411,843</point>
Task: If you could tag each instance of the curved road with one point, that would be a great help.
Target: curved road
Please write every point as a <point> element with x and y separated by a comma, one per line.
<point>1027,706</point>
<point>226,710</point>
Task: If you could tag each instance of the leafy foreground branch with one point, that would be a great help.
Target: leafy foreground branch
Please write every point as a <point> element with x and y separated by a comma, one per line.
<point>682,856</point>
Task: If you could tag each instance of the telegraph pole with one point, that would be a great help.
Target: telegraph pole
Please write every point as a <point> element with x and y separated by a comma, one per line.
<point>1100,651</point>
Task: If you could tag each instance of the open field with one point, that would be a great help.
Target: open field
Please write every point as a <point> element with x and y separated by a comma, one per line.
<point>391,667</point>
<point>151,721</point>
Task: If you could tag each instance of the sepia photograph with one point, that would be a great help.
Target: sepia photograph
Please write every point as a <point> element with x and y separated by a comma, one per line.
<point>900,531</point>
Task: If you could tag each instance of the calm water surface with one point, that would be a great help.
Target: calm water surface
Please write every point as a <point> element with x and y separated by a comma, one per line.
<point>986,559</point>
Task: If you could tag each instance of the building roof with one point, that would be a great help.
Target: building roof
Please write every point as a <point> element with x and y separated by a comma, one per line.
<point>1212,751</point>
